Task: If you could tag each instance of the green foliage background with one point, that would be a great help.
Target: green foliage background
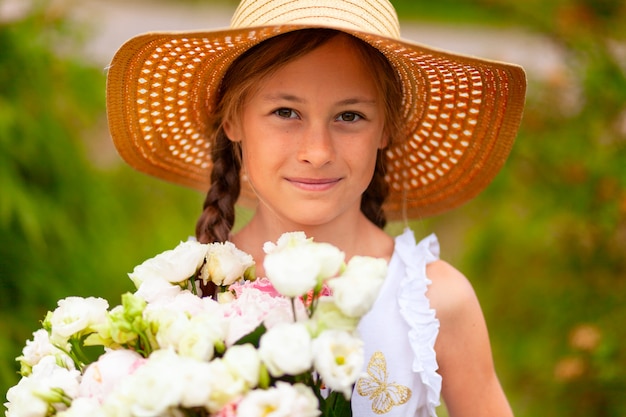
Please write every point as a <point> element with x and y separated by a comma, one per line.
<point>544,245</point>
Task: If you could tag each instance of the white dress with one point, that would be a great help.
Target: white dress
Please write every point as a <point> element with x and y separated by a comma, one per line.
<point>399,332</point>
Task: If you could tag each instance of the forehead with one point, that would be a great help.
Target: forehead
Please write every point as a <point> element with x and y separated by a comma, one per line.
<point>338,63</point>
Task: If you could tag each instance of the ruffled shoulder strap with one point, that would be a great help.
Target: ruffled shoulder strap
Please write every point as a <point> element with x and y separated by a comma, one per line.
<point>416,311</point>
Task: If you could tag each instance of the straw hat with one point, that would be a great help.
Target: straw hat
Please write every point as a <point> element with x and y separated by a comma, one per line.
<point>461,113</point>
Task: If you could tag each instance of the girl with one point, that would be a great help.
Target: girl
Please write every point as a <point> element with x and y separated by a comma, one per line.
<point>318,115</point>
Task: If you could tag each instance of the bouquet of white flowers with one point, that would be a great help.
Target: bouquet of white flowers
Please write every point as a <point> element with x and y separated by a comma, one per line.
<point>281,345</point>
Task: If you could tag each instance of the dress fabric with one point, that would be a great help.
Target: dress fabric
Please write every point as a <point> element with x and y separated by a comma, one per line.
<point>400,373</point>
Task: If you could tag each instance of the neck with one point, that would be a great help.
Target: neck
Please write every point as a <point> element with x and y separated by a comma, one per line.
<point>354,235</point>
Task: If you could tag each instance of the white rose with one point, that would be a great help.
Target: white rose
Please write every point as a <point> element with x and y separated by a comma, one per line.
<point>225,264</point>
<point>283,400</point>
<point>174,265</point>
<point>75,316</point>
<point>101,377</point>
<point>357,289</point>
<point>244,361</point>
<point>286,349</point>
<point>338,358</point>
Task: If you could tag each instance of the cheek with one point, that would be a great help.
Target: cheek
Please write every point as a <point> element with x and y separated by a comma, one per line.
<point>363,163</point>
<point>258,160</point>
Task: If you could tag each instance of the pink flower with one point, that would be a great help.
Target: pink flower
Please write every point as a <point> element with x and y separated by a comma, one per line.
<point>262,284</point>
<point>101,377</point>
<point>307,299</point>
<point>257,302</point>
<point>251,308</point>
<point>229,410</point>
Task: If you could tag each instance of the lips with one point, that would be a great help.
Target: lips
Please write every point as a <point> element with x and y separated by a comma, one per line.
<point>313,184</point>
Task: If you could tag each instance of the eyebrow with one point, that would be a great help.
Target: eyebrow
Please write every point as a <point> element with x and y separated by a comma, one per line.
<point>296,99</point>
<point>283,97</point>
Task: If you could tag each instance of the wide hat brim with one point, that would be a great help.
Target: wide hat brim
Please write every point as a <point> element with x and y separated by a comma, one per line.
<point>461,113</point>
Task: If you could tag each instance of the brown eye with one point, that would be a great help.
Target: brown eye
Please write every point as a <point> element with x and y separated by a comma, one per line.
<point>348,117</point>
<point>285,113</point>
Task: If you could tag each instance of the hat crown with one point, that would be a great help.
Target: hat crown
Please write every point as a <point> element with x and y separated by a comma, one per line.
<point>372,16</point>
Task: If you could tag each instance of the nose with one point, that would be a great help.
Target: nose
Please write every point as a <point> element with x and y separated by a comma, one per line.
<point>316,145</point>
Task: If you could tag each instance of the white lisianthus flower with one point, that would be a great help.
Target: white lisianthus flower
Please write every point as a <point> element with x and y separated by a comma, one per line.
<point>40,347</point>
<point>83,406</point>
<point>157,291</point>
<point>338,358</point>
<point>49,385</point>
<point>367,266</point>
<point>328,316</point>
<point>170,326</point>
<point>356,290</point>
<point>174,265</point>
<point>244,361</point>
<point>102,376</point>
<point>288,239</point>
<point>225,386</point>
<point>75,317</point>
<point>202,334</point>
<point>330,258</point>
<point>296,265</point>
<point>292,270</point>
<point>286,349</point>
<point>196,380</point>
<point>184,301</point>
<point>24,401</point>
<point>225,264</point>
<point>283,400</point>
<point>153,387</point>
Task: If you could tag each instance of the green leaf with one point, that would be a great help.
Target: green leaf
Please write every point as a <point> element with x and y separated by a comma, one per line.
<point>253,337</point>
<point>336,405</point>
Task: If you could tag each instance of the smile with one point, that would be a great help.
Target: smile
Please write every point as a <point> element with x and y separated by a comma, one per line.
<point>314,184</point>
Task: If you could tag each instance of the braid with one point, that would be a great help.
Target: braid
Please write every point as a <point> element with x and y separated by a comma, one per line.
<point>376,194</point>
<point>218,216</point>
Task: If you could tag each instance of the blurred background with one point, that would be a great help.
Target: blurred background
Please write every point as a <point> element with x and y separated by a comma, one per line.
<point>544,245</point>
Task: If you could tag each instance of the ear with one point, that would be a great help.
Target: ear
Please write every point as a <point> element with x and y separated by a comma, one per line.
<point>384,140</point>
<point>232,130</point>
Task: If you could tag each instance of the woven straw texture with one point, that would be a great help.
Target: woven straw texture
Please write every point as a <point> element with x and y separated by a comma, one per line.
<point>461,113</point>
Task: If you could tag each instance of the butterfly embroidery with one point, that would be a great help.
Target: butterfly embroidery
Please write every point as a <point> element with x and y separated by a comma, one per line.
<point>384,395</point>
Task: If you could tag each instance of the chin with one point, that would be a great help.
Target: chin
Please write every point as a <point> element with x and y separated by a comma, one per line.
<point>315,216</point>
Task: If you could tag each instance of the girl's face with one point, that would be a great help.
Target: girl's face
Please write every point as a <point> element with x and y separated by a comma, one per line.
<point>310,135</point>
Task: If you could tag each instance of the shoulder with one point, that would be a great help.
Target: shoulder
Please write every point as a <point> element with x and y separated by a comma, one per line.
<point>450,292</point>
<point>460,315</point>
